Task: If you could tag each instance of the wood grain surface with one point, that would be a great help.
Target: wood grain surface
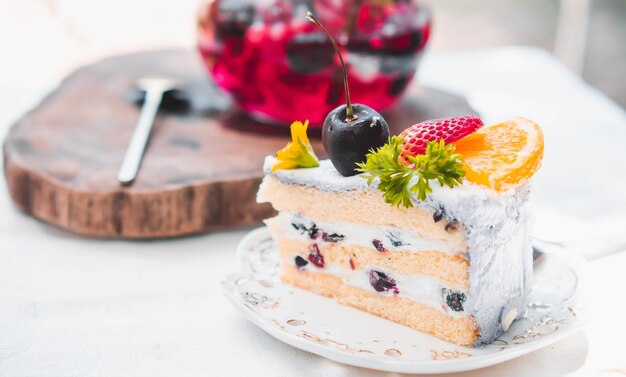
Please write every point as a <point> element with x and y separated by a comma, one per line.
<point>202,167</point>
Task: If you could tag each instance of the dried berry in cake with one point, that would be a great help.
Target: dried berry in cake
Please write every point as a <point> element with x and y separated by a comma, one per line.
<point>378,244</point>
<point>315,256</point>
<point>300,262</point>
<point>454,299</point>
<point>382,282</point>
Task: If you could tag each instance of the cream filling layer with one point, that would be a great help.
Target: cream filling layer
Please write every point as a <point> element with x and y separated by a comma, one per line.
<point>421,289</point>
<point>299,227</point>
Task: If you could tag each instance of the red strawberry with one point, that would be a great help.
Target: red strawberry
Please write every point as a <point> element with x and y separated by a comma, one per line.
<point>450,130</point>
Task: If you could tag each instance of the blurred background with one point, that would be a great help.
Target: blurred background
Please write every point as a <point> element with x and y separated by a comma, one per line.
<point>44,40</point>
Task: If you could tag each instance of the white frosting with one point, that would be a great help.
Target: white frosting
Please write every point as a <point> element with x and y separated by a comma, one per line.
<point>361,235</point>
<point>421,289</point>
<point>324,177</point>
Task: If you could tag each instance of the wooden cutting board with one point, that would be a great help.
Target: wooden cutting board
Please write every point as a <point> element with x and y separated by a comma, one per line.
<point>202,167</point>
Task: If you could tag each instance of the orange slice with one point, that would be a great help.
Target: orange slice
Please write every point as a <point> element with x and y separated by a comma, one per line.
<point>504,155</point>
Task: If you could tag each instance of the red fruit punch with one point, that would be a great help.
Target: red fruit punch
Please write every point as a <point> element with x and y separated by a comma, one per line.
<point>450,130</point>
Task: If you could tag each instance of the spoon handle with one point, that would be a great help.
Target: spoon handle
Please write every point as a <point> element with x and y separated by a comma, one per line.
<point>139,139</point>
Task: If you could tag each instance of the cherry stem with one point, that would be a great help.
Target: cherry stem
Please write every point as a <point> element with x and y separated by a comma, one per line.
<point>349,112</point>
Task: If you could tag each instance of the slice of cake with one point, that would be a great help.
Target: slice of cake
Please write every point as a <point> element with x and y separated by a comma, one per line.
<point>434,233</point>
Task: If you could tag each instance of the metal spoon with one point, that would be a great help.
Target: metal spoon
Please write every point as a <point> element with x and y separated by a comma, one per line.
<point>154,88</point>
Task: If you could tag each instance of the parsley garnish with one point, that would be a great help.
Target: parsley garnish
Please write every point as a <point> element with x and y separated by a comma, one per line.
<point>396,181</point>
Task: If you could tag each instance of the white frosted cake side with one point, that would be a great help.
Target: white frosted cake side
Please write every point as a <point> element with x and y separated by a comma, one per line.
<point>457,265</point>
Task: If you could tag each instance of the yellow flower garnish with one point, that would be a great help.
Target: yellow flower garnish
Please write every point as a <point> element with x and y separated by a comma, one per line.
<point>298,153</point>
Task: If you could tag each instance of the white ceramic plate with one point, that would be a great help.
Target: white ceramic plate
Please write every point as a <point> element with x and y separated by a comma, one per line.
<point>347,335</point>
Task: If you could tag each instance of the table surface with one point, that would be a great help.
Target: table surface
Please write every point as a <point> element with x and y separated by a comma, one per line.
<point>85,307</point>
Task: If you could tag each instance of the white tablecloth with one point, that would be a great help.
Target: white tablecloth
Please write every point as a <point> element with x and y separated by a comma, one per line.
<point>71,306</point>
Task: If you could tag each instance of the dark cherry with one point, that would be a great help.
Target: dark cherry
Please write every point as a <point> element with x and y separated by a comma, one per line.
<point>382,283</point>
<point>315,257</point>
<point>300,262</point>
<point>454,299</point>
<point>350,131</point>
<point>347,142</point>
<point>309,53</point>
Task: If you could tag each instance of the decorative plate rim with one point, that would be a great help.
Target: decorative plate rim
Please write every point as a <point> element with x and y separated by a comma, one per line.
<point>576,263</point>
